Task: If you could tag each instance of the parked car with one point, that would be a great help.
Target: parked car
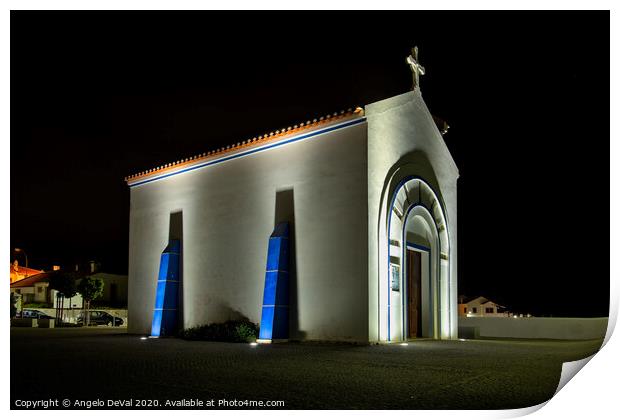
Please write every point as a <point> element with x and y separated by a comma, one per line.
<point>34,313</point>
<point>100,318</point>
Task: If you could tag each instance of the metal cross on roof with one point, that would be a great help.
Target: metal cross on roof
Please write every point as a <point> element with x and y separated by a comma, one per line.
<point>416,68</point>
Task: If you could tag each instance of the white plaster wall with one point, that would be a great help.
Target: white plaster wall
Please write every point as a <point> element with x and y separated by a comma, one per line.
<point>75,302</point>
<point>396,255</point>
<point>228,215</point>
<point>27,293</point>
<point>40,296</point>
<point>554,328</point>
<point>403,140</point>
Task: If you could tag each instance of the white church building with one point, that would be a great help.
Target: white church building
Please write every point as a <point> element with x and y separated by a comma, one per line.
<point>341,228</point>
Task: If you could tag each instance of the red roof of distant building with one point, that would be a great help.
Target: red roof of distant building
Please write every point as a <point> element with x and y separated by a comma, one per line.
<point>32,280</point>
<point>25,271</point>
<point>17,273</point>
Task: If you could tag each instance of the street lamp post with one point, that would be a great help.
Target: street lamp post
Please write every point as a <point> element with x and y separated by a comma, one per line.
<point>23,252</point>
<point>18,250</point>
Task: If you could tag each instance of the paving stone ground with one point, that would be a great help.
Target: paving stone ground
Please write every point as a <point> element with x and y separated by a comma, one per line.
<point>107,363</point>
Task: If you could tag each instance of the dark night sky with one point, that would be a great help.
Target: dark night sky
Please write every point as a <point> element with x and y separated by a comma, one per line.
<point>97,96</point>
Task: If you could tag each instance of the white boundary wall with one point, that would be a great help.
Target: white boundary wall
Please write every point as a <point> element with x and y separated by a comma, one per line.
<point>554,328</point>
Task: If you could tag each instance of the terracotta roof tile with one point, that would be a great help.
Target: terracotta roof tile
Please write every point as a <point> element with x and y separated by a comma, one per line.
<point>30,281</point>
<point>250,142</point>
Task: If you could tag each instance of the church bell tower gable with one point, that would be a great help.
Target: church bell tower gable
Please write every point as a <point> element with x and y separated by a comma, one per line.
<point>404,142</point>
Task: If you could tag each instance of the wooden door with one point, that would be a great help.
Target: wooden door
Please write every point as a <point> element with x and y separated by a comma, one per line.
<point>414,289</point>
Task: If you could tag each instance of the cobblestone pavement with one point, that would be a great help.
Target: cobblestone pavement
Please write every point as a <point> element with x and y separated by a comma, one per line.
<point>106,363</point>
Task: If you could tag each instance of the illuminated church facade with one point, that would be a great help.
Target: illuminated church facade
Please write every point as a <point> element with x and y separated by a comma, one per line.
<point>342,228</point>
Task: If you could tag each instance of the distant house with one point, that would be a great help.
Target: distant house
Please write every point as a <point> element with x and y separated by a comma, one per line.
<point>35,289</point>
<point>33,286</point>
<point>481,307</point>
<point>114,289</point>
<point>18,272</point>
<point>114,285</point>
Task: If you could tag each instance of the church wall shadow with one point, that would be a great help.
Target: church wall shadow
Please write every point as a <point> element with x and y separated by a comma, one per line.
<point>175,231</point>
<point>285,212</point>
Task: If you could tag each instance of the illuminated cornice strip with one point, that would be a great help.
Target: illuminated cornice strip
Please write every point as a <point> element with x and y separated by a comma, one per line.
<point>345,124</point>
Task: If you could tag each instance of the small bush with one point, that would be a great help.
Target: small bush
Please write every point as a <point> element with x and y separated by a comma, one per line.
<point>229,331</point>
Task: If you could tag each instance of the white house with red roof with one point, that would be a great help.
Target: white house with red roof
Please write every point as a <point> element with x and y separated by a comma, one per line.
<point>482,307</point>
<point>17,272</point>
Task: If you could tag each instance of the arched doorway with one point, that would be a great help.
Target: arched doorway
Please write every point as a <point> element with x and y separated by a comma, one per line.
<point>417,287</point>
